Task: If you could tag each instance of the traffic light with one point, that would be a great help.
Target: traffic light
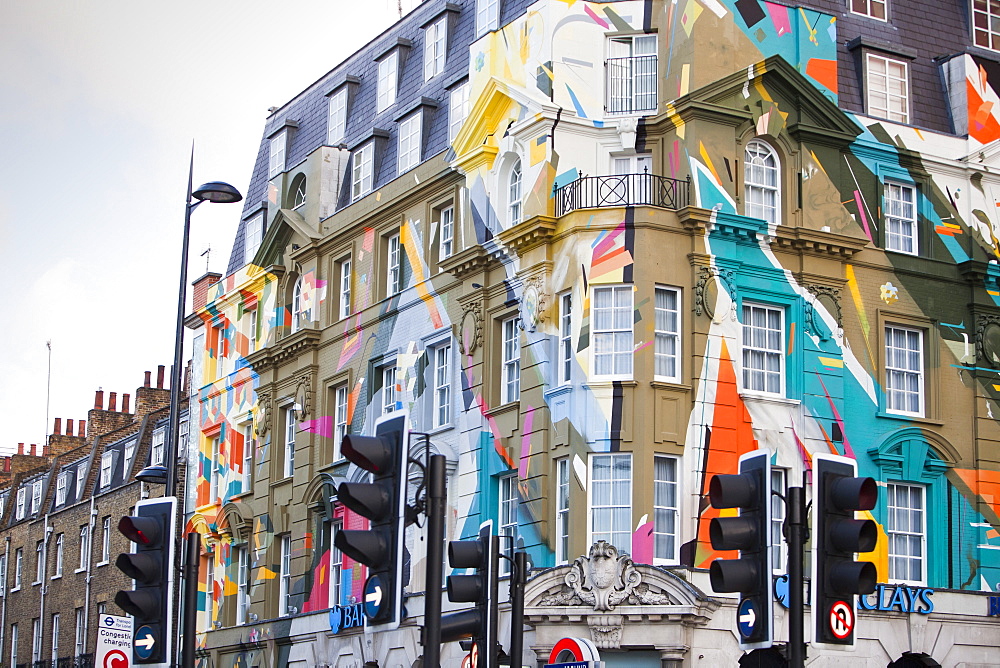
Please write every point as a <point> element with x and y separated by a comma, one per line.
<point>479,623</point>
<point>750,533</point>
<point>837,536</point>
<point>383,501</point>
<point>151,529</point>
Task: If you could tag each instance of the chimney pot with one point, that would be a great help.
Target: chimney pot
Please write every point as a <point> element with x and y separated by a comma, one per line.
<point>32,450</point>
<point>57,427</point>
<point>45,450</point>
<point>145,383</point>
<point>159,377</point>
<point>112,401</point>
<point>69,427</point>
<point>6,464</point>
<point>125,402</point>
<point>99,400</point>
<point>81,428</point>
<point>20,448</point>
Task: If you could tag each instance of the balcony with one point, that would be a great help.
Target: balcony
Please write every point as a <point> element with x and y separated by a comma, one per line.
<point>594,192</point>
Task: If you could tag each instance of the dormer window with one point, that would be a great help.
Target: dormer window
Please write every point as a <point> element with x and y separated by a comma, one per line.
<point>338,117</point>
<point>276,164</point>
<point>514,194</point>
<point>435,47</point>
<point>487,14</point>
<point>361,171</point>
<point>388,77</point>
<point>252,237</point>
<point>409,142</point>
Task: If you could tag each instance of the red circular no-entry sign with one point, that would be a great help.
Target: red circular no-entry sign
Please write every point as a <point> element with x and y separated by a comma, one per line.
<point>841,619</point>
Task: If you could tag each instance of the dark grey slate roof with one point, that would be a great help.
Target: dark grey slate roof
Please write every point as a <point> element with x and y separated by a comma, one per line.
<point>310,107</point>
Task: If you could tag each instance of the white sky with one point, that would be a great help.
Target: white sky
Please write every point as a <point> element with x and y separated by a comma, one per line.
<point>99,103</point>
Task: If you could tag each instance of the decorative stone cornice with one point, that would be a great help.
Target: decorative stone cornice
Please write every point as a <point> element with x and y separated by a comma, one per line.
<point>817,242</point>
<point>284,350</point>
<point>471,260</point>
<point>529,234</point>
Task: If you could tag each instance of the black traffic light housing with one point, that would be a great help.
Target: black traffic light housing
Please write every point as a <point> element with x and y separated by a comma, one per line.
<point>383,502</point>
<point>479,623</point>
<point>837,537</point>
<point>750,533</point>
<point>151,566</point>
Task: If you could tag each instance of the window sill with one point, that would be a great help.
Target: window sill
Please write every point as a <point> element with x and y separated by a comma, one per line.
<point>559,390</point>
<point>770,398</point>
<point>36,583</point>
<point>56,577</point>
<point>79,570</point>
<point>102,563</point>
<point>663,384</point>
<point>910,418</point>
<point>504,408</point>
<point>441,429</point>
<point>609,382</point>
<point>14,590</point>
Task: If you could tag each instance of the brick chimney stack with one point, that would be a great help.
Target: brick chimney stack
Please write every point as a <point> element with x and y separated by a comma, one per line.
<point>199,296</point>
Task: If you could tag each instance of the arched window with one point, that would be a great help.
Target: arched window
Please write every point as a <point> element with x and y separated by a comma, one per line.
<point>298,191</point>
<point>298,319</point>
<point>514,194</point>
<point>761,192</point>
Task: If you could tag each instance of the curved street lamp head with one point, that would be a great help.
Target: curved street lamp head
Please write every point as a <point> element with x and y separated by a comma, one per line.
<point>218,192</point>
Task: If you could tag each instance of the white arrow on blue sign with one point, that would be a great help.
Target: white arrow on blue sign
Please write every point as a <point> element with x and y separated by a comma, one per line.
<point>746,617</point>
<point>144,642</point>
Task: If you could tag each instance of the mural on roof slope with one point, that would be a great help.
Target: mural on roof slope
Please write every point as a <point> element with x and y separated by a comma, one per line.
<point>831,344</point>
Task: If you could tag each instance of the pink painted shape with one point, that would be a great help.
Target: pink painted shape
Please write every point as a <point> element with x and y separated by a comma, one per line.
<point>642,544</point>
<point>369,241</point>
<point>779,17</point>
<point>322,426</point>
<point>607,242</point>
<point>522,469</point>
<point>590,12</point>
<point>861,212</point>
<point>848,450</point>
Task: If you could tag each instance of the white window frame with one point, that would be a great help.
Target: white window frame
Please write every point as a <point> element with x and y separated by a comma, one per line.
<point>435,47</point>
<point>779,546</point>
<point>284,574</point>
<point>248,453</point>
<point>3,581</point>
<point>36,639</point>
<point>562,510</point>
<point>667,334</point>
<point>242,561</point>
<point>276,155</point>
<point>36,496</point>
<point>487,16</point>
<point>870,8</point>
<point>252,236</point>
<point>564,355</point>
<point>515,209</point>
<point>510,361</point>
<point>909,534</point>
<point>80,636</point>
<point>761,352</point>
<point>595,494</point>
<point>446,218</point>
<point>252,315</point>
<point>340,398</point>
<point>394,265</point>
<point>18,568</point>
<point>81,478</point>
<point>389,388</point>
<point>761,182</point>
<point>441,369</point>
<point>106,540</point>
<point>895,106</point>
<point>84,546</point>
<point>904,370</point>
<point>900,212</point>
<point>39,562</point>
<point>106,466</point>
<point>361,171</point>
<point>210,589</point>
<point>61,481</point>
<point>613,331</point>
<point>157,449</point>
<point>458,109</point>
<point>337,117</point>
<point>288,461</point>
<point>344,310</point>
<point>213,471</point>
<point>59,557</point>
<point>983,34</point>
<point>632,75</point>
<point>388,79</point>
<point>410,138</point>
<point>129,452</point>
<point>298,311</point>
<point>336,564</point>
<point>666,510</point>
<point>13,644</point>
<point>55,637</point>
<point>507,515</point>
<point>299,191</point>
<point>20,509</point>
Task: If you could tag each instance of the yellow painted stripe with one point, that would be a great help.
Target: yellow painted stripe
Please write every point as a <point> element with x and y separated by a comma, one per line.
<point>830,361</point>
<point>852,284</point>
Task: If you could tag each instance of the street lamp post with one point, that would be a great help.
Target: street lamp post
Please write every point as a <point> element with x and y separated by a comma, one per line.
<point>222,193</point>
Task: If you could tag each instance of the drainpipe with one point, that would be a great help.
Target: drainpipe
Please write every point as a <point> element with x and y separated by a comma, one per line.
<point>88,577</point>
<point>3,607</point>
<point>43,585</point>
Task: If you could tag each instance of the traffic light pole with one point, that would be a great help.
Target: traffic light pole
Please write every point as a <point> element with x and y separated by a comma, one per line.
<point>437,495</point>
<point>795,500</point>
<point>190,612</point>
<point>518,578</point>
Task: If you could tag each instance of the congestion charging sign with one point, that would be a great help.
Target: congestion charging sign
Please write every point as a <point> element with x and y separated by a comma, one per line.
<point>114,642</point>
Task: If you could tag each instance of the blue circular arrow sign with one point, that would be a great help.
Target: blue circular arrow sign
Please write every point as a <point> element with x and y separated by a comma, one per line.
<point>144,642</point>
<point>375,596</point>
<point>746,617</point>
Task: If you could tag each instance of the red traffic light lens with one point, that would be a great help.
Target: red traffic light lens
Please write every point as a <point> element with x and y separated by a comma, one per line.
<point>140,530</point>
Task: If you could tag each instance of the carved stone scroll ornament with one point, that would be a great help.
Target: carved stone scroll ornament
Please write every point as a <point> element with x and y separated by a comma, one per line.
<point>605,579</point>
<point>262,414</point>
<point>829,299</point>
<point>533,303</point>
<point>711,283</point>
<point>470,328</point>
<point>303,398</point>
<point>988,339</point>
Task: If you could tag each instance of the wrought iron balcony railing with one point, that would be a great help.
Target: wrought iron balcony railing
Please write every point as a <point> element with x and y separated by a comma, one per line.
<point>589,192</point>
